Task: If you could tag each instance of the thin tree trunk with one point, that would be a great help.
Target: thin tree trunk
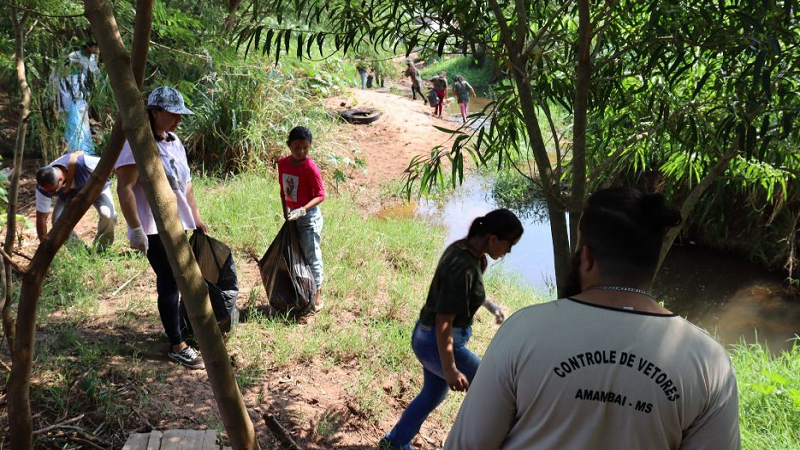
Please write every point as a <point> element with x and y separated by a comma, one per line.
<point>19,412</point>
<point>170,228</point>
<point>18,25</point>
<point>583,73</point>
<point>556,208</point>
<point>694,198</point>
<point>230,21</point>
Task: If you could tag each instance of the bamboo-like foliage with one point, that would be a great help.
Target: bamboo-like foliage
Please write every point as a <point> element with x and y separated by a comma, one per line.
<point>674,84</point>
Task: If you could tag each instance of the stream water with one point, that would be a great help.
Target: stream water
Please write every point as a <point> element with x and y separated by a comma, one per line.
<point>731,298</point>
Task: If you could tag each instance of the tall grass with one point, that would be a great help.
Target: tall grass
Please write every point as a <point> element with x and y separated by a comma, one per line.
<point>769,397</point>
<point>377,276</point>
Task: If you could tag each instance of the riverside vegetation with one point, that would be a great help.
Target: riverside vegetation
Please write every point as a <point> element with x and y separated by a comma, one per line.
<point>95,355</point>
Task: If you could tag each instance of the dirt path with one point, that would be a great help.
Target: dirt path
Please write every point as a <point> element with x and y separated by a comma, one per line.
<point>405,130</point>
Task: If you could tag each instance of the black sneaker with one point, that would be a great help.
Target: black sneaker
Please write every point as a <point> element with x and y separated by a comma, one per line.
<point>187,357</point>
<point>384,444</point>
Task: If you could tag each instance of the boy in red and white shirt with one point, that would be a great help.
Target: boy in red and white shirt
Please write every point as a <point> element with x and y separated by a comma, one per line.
<point>301,191</point>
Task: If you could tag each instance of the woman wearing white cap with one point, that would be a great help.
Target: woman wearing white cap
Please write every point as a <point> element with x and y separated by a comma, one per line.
<point>165,108</point>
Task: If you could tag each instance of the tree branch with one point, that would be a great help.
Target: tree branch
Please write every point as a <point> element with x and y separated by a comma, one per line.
<point>7,258</point>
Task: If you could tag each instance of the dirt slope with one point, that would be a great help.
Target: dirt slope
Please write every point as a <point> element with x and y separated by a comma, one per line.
<point>405,130</point>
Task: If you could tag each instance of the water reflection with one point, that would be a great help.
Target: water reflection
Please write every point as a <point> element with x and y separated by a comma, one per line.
<point>532,257</point>
<point>722,293</point>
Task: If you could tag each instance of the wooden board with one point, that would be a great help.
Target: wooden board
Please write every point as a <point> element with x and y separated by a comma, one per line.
<point>137,441</point>
<point>209,440</point>
<point>155,440</point>
<point>173,440</point>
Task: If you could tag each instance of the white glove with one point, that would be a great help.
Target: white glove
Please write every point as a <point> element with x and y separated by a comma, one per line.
<point>296,214</point>
<point>138,239</point>
<point>494,308</point>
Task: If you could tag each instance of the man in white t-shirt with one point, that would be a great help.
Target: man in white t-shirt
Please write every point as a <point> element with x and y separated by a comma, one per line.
<point>608,367</point>
<point>63,179</point>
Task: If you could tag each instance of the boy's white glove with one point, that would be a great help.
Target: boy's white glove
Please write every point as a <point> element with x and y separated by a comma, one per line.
<point>296,214</point>
<point>138,239</point>
<point>494,308</point>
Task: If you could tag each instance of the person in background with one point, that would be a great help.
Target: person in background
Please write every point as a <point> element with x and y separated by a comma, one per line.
<point>86,58</point>
<point>361,68</point>
<point>443,330</point>
<point>301,193</point>
<point>440,87</point>
<point>74,84</point>
<point>608,366</point>
<point>413,74</point>
<point>462,89</point>
<point>165,109</point>
<point>63,179</point>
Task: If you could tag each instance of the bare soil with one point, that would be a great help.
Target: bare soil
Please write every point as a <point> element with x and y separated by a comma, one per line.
<point>305,398</point>
<point>405,130</point>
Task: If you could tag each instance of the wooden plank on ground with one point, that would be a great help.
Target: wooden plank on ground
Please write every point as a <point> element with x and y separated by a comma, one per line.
<point>155,440</point>
<point>171,440</point>
<point>136,441</point>
<point>192,440</point>
<point>209,440</point>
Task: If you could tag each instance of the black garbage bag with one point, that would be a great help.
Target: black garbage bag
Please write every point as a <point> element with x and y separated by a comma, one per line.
<point>286,274</point>
<point>433,98</point>
<point>216,264</point>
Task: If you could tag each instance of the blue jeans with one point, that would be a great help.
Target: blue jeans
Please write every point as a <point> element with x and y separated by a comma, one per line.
<point>310,228</point>
<point>434,387</point>
<point>363,75</point>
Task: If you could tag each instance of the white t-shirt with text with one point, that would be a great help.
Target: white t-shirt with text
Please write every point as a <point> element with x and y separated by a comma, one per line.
<point>570,375</point>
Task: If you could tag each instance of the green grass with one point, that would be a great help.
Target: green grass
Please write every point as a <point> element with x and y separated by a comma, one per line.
<point>769,397</point>
<point>377,275</point>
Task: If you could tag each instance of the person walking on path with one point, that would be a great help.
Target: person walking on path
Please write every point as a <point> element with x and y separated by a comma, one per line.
<point>416,82</point>
<point>440,87</point>
<point>441,334</point>
<point>301,193</point>
<point>607,367</point>
<point>63,179</point>
<point>361,68</point>
<point>461,90</point>
<point>165,109</point>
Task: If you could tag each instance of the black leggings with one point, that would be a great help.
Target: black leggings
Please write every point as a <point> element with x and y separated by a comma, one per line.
<point>167,288</point>
<point>414,90</point>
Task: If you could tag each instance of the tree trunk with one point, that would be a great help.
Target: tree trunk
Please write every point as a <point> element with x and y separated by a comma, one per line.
<point>694,197</point>
<point>583,73</point>
<point>19,412</point>
<point>555,203</point>
<point>170,229</point>
<point>18,25</point>
<point>230,21</point>
<point>556,207</point>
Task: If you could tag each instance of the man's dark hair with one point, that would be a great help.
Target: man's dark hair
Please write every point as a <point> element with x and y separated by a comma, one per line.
<point>299,134</point>
<point>89,44</point>
<point>46,176</point>
<point>625,227</point>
